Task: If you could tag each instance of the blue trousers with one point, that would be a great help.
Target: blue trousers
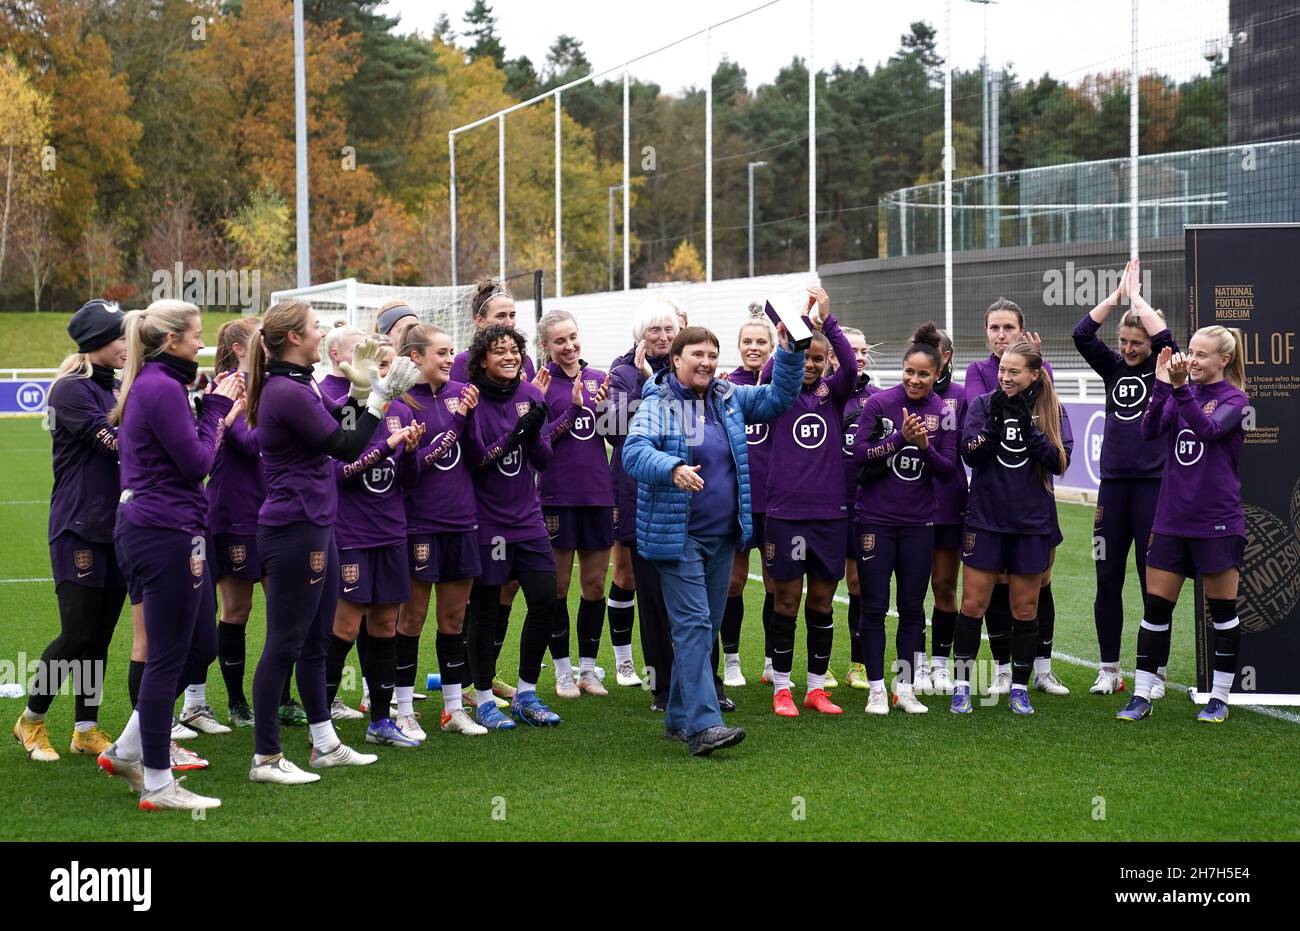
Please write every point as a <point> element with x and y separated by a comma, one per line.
<point>695,594</point>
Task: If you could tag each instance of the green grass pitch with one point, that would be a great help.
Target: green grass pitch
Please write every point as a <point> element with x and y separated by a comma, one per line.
<point>1069,772</point>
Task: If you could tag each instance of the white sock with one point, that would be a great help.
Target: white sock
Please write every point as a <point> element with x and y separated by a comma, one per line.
<point>1110,668</point>
<point>522,686</point>
<point>155,779</point>
<point>731,659</point>
<point>31,717</point>
<point>196,695</point>
<point>563,667</point>
<point>940,662</point>
<point>365,690</point>
<point>323,737</point>
<point>1003,669</point>
<point>586,664</point>
<point>877,685</point>
<point>623,654</point>
<point>780,680</point>
<point>451,698</point>
<point>1222,685</point>
<point>128,744</point>
<point>815,681</point>
<point>767,663</point>
<point>83,726</point>
<point>405,701</point>
<point>1142,682</point>
<point>919,662</point>
<point>482,697</point>
<point>1162,671</point>
<point>261,758</point>
<point>1042,665</point>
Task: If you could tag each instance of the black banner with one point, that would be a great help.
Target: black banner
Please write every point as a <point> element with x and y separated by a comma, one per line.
<point>1244,276</point>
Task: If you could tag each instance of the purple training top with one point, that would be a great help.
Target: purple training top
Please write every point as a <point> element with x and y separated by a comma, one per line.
<point>237,486</point>
<point>442,498</point>
<point>86,482</point>
<point>805,478</point>
<point>334,388</point>
<point>904,494</point>
<point>758,437</point>
<point>164,459</point>
<point>293,421</point>
<point>578,475</point>
<point>460,367</point>
<point>950,493</point>
<point>505,481</point>
<point>371,488</point>
<point>1200,492</point>
<point>1125,453</point>
<point>1007,494</point>
<point>863,390</point>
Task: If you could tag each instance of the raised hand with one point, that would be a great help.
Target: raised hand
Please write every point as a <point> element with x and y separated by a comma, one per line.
<point>576,395</point>
<point>687,478</point>
<point>1178,369</point>
<point>543,378</point>
<point>468,400</point>
<point>1162,365</point>
<point>230,387</point>
<point>783,336</point>
<point>819,307</point>
<point>642,365</point>
<point>914,430</point>
<point>1034,340</point>
<point>402,374</point>
<point>602,393</point>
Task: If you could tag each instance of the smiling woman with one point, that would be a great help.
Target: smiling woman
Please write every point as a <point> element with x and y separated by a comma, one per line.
<point>687,451</point>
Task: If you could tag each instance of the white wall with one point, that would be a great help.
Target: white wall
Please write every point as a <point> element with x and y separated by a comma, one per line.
<point>605,319</point>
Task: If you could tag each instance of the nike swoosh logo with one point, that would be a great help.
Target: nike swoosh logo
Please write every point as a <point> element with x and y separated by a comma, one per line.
<point>865,558</point>
<point>314,581</point>
<point>226,662</point>
<point>82,575</point>
<point>197,584</point>
<point>421,568</point>
<point>352,589</point>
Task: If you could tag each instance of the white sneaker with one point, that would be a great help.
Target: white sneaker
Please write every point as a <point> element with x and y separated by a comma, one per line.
<point>408,725</point>
<point>566,686</point>
<point>940,681</point>
<point>589,682</point>
<point>905,698</point>
<point>1047,682</point>
<point>1158,688</point>
<point>921,683</point>
<point>732,677</point>
<point>339,711</point>
<point>459,722</point>
<point>201,718</point>
<point>181,732</point>
<point>185,760</point>
<point>1001,684</point>
<point>341,755</point>
<point>877,701</point>
<point>1108,683</point>
<point>280,771</point>
<point>176,797</point>
<point>129,771</point>
<point>626,675</point>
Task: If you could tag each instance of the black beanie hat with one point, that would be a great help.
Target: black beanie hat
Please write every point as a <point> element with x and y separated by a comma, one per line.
<point>95,325</point>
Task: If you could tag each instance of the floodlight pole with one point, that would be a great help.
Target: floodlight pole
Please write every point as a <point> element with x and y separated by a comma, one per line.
<point>501,196</point>
<point>812,143</point>
<point>451,155</point>
<point>302,205</point>
<point>708,155</point>
<point>559,222</point>
<point>751,167</point>
<point>627,191</point>
<point>947,165</point>
<point>1133,133</point>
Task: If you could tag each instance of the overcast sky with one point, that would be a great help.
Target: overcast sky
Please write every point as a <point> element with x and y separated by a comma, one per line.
<point>1063,37</point>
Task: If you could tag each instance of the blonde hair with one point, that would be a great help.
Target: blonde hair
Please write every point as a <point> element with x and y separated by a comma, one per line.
<point>550,319</point>
<point>1228,341</point>
<point>1047,409</point>
<point>277,323</point>
<point>235,333</point>
<point>757,318</point>
<point>76,364</point>
<point>418,338</point>
<point>334,337</point>
<point>146,335</point>
<point>1132,318</point>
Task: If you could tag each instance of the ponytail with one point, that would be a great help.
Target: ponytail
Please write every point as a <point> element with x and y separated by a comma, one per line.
<point>280,320</point>
<point>77,364</point>
<point>146,335</point>
<point>236,332</point>
<point>256,377</point>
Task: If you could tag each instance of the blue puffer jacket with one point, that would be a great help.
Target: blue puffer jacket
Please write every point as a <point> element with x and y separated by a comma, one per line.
<point>656,444</point>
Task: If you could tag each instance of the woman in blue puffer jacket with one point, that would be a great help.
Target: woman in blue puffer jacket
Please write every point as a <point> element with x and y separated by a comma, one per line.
<point>686,449</point>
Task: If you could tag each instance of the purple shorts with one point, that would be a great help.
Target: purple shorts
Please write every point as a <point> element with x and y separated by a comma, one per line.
<point>947,536</point>
<point>236,554</point>
<point>376,575</point>
<point>792,549</point>
<point>1016,553</point>
<point>580,528</point>
<point>760,521</point>
<point>1195,556</point>
<point>514,558</point>
<point>77,560</point>
<point>443,557</point>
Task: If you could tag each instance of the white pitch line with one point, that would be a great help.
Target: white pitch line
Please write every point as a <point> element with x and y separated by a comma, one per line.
<point>1266,710</point>
<point>32,501</point>
<point>22,581</point>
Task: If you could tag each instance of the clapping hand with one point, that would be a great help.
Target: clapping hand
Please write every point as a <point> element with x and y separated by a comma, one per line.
<point>468,400</point>
<point>1177,369</point>
<point>642,364</point>
<point>542,379</point>
<point>1162,365</point>
<point>914,430</point>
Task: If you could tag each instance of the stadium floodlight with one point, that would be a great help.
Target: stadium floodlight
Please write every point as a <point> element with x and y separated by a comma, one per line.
<point>610,249</point>
<point>752,166</point>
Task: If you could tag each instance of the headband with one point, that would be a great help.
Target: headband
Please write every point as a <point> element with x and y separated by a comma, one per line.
<point>388,319</point>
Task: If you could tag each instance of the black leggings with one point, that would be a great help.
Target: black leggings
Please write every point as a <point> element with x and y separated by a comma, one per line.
<point>539,595</point>
<point>87,618</point>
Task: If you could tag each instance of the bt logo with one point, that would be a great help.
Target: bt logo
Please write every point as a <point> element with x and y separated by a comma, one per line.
<point>810,431</point>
